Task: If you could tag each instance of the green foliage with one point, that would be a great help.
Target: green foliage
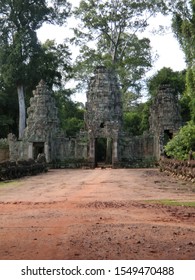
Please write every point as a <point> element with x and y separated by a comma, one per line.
<point>166,76</point>
<point>71,113</point>
<point>136,120</point>
<point>132,122</point>
<point>190,91</point>
<point>55,67</point>
<point>183,24</point>
<point>184,102</point>
<point>183,142</point>
<point>184,29</point>
<point>23,60</point>
<point>145,113</point>
<point>177,82</point>
<point>72,126</point>
<point>4,143</point>
<point>8,111</point>
<point>20,51</point>
<point>172,202</point>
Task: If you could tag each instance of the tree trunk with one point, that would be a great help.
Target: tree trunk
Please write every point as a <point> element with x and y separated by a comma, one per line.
<point>22,111</point>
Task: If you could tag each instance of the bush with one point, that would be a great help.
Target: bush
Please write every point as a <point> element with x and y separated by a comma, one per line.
<point>183,142</point>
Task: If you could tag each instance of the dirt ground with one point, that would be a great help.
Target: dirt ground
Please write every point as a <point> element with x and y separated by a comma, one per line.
<point>96,214</point>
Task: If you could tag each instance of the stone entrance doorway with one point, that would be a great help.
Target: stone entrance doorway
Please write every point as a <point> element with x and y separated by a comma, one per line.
<point>38,148</point>
<point>103,151</point>
<point>168,135</point>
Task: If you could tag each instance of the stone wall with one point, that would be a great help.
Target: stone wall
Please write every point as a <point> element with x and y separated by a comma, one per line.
<point>65,149</point>
<point>4,154</point>
<point>20,168</point>
<point>138,151</point>
<point>182,169</point>
<point>4,149</point>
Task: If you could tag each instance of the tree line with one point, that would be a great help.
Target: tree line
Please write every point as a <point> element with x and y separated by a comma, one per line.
<point>107,34</point>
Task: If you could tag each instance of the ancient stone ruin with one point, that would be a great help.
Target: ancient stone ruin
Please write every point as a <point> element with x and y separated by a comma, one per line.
<point>43,134</point>
<point>165,119</point>
<point>103,117</point>
<point>103,141</point>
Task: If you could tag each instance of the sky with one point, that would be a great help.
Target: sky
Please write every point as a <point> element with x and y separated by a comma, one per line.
<point>166,46</point>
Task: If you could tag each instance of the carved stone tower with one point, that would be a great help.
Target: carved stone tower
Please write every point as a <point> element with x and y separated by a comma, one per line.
<point>42,123</point>
<point>103,117</point>
<point>165,119</point>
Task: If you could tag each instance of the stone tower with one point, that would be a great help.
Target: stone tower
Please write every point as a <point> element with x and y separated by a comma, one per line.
<point>165,119</point>
<point>103,117</point>
<point>42,123</point>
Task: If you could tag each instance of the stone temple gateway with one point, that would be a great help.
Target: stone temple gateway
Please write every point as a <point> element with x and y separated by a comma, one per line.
<point>103,141</point>
<point>103,117</point>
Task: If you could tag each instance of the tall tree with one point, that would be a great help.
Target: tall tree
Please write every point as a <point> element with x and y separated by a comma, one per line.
<point>19,45</point>
<point>184,28</point>
<point>107,35</point>
<point>52,64</point>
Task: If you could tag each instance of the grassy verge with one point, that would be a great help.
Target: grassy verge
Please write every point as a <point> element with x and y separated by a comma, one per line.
<point>172,202</point>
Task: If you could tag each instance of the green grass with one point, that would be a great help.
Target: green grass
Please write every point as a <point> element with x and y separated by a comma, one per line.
<point>172,202</point>
<point>8,184</point>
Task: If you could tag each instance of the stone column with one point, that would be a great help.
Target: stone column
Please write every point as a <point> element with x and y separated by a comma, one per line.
<point>46,152</point>
<point>92,152</point>
<point>115,152</point>
<point>30,150</point>
<point>109,151</point>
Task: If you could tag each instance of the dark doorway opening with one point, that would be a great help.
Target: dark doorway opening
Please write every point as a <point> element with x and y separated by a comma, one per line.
<point>38,148</point>
<point>167,136</point>
<point>103,151</point>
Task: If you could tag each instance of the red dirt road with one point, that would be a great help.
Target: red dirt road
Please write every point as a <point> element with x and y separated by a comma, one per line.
<point>96,214</point>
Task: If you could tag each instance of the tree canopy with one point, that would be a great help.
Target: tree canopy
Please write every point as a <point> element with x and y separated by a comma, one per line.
<point>107,35</point>
<point>19,46</point>
<point>175,79</point>
<point>184,28</point>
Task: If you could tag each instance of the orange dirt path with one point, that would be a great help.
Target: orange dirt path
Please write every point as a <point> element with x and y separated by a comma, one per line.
<point>96,214</point>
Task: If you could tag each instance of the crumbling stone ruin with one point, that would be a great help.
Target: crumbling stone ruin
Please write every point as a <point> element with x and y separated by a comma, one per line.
<point>103,141</point>
<point>43,134</point>
<point>165,119</point>
<point>42,123</point>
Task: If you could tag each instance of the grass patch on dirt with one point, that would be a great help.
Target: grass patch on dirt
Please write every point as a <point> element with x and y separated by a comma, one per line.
<point>8,183</point>
<point>172,202</point>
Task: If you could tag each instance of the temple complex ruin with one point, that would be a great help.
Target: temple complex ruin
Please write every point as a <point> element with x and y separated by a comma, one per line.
<point>103,140</point>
